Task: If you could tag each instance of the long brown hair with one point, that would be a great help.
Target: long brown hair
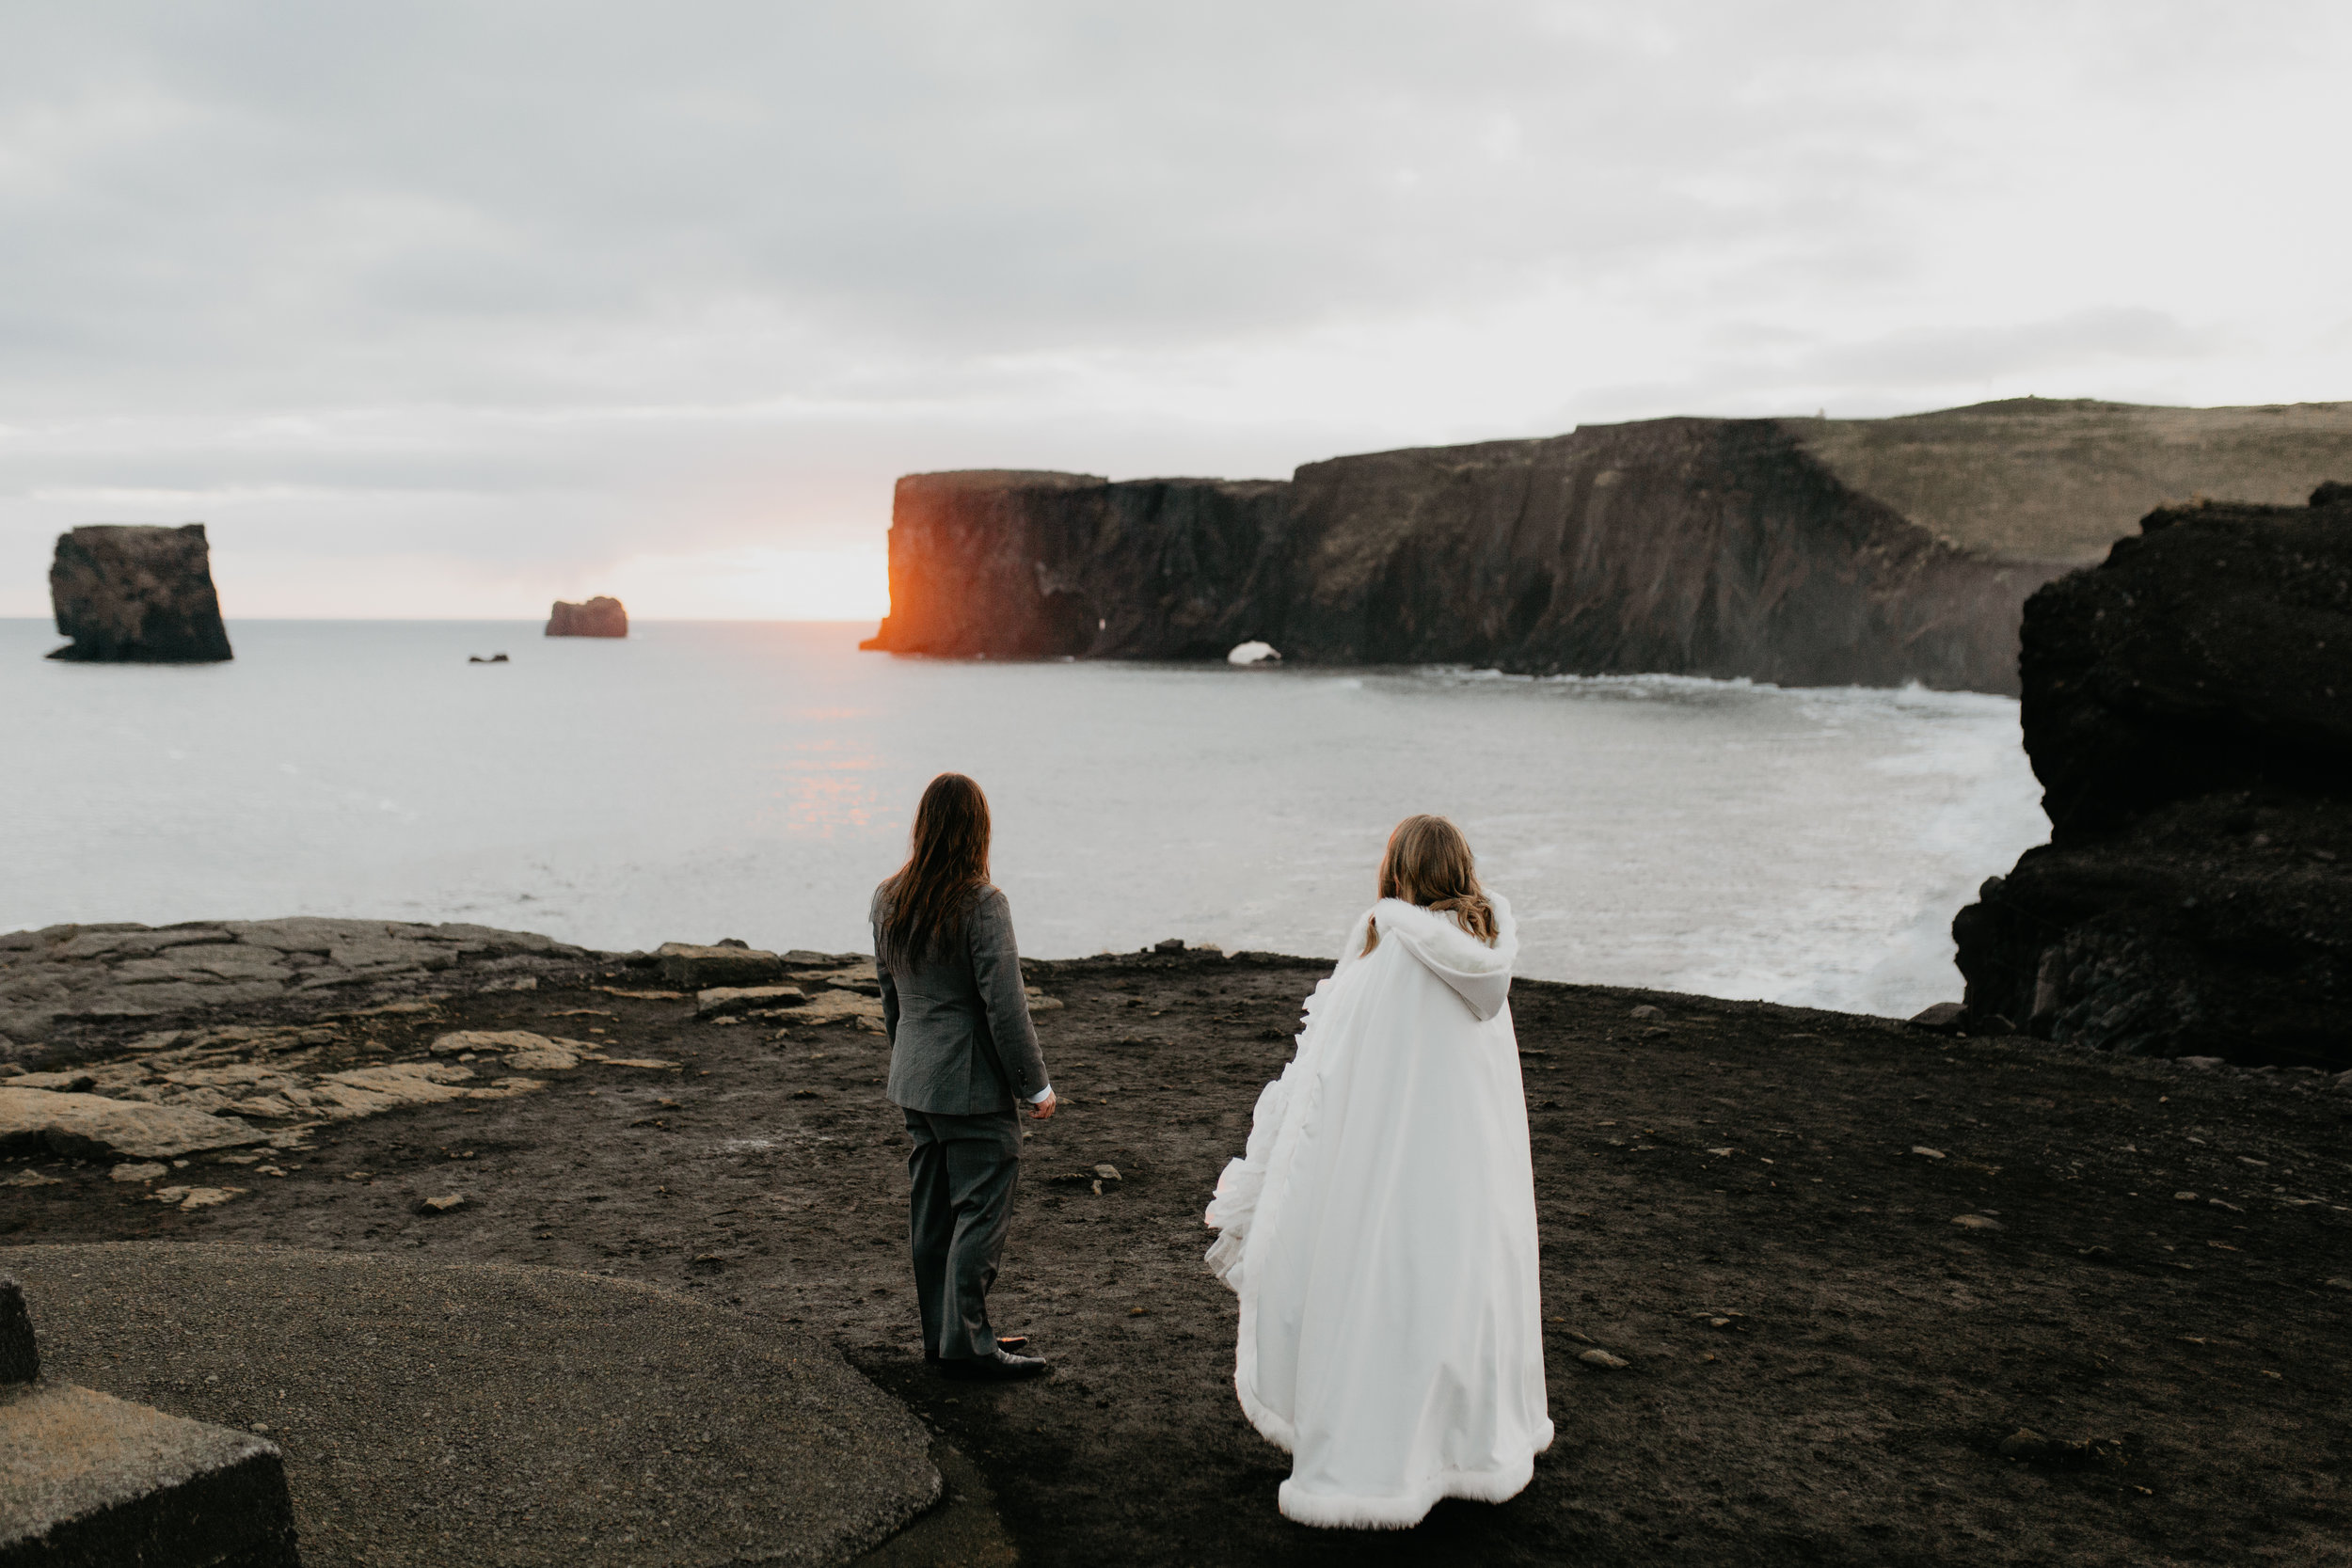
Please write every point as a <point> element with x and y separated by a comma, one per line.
<point>925,900</point>
<point>1429,863</point>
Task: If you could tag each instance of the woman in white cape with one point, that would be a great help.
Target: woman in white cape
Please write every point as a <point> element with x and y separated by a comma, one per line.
<point>1380,1231</point>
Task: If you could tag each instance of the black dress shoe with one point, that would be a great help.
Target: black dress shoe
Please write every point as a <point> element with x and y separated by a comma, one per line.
<point>999,1367</point>
<point>1004,1341</point>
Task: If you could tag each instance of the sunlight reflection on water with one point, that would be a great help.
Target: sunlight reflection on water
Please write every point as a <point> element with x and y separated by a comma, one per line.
<point>701,781</point>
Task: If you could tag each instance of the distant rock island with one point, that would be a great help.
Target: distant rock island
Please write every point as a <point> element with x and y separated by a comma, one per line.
<point>601,616</point>
<point>2189,709</point>
<point>1800,551</point>
<point>131,594</point>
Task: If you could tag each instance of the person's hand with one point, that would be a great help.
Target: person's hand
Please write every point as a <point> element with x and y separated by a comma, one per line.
<point>1043,1108</point>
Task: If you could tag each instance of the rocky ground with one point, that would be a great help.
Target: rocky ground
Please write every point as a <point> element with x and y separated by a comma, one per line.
<point>1882,1296</point>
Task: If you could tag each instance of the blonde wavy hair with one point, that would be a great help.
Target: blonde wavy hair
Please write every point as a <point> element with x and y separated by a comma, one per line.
<point>1429,863</point>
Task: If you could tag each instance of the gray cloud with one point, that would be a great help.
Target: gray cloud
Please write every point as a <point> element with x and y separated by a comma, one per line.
<point>559,269</point>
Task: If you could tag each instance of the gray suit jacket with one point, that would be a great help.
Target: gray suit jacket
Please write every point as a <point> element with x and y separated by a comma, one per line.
<point>960,1039</point>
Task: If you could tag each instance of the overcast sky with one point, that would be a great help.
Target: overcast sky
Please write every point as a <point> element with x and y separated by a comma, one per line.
<point>445,310</point>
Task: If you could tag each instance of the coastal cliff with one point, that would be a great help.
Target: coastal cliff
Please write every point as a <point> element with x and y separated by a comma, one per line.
<point>1798,551</point>
<point>2189,709</point>
<point>129,594</point>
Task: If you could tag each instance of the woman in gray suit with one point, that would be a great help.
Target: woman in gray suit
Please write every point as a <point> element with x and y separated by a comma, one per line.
<point>962,1053</point>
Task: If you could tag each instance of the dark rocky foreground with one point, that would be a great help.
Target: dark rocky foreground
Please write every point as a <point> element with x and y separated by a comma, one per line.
<point>136,595</point>
<point>1887,1297</point>
<point>2188,708</point>
<point>473,1413</point>
<point>1799,551</point>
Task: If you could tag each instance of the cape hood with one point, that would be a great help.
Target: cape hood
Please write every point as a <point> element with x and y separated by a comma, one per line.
<point>1480,975</point>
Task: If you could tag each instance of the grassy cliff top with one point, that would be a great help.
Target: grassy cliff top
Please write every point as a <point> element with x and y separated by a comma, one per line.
<point>2060,480</point>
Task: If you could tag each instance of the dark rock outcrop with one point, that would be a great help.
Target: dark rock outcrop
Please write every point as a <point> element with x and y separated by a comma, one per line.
<point>1767,549</point>
<point>601,616</point>
<point>2189,709</point>
<point>131,594</point>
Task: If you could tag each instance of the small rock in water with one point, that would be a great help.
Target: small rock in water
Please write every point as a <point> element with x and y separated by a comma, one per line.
<point>1602,1358</point>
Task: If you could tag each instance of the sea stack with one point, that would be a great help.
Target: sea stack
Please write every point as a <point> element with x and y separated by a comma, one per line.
<point>129,594</point>
<point>601,616</point>
<point>1801,551</point>
<point>2189,709</point>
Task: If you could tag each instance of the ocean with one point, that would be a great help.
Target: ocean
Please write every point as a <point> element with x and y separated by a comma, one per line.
<point>754,780</point>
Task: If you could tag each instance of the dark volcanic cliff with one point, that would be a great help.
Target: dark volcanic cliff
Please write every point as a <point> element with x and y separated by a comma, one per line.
<point>1765,548</point>
<point>2189,709</point>
<point>136,594</point>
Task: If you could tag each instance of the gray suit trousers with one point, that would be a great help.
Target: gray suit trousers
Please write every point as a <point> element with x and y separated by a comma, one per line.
<point>964,1170</point>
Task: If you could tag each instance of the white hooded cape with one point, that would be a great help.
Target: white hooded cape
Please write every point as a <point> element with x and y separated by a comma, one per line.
<point>1380,1233</point>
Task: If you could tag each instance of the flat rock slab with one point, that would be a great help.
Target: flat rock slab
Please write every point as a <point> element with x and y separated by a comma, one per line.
<point>493,1414</point>
<point>692,968</point>
<point>91,1126</point>
<point>87,1481</point>
<point>61,976</point>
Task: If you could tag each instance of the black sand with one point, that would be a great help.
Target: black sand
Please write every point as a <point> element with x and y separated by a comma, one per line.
<point>1824,1366</point>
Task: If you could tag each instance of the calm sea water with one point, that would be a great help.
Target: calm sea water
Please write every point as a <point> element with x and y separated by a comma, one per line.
<point>701,781</point>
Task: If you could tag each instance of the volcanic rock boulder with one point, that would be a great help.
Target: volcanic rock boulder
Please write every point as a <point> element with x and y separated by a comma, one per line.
<point>601,616</point>
<point>136,595</point>
<point>1799,551</point>
<point>2187,706</point>
<point>692,968</point>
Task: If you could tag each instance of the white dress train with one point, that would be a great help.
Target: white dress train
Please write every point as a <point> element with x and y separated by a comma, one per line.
<point>1380,1233</point>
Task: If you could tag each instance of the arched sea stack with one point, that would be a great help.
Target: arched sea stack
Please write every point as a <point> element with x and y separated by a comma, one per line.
<point>1806,552</point>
